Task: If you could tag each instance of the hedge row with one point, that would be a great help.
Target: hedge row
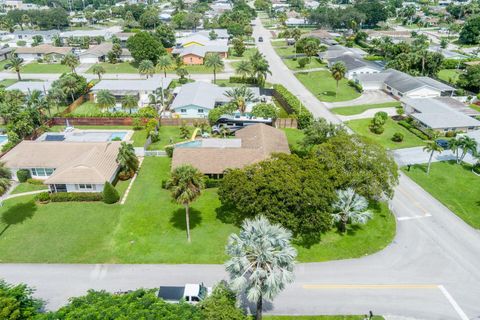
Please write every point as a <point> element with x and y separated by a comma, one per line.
<point>303,115</point>
<point>248,80</point>
<point>414,130</point>
<point>76,196</point>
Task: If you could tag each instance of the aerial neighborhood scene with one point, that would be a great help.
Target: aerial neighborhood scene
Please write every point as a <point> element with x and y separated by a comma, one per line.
<point>239,159</point>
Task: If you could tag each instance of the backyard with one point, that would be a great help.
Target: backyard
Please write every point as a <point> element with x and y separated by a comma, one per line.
<point>323,86</point>
<point>314,63</point>
<point>132,67</point>
<point>149,228</point>
<point>385,139</point>
<point>449,75</point>
<point>36,67</point>
<point>349,111</point>
<point>454,185</point>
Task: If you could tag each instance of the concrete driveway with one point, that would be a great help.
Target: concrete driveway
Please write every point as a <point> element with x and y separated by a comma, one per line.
<point>367,97</point>
<point>368,114</point>
<point>417,155</point>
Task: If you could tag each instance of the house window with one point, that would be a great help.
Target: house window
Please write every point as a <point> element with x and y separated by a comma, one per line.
<point>86,187</point>
<point>183,110</point>
<point>400,94</point>
<point>41,172</point>
<point>200,110</point>
<point>389,88</point>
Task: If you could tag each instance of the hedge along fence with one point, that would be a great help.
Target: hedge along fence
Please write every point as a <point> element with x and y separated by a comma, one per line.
<point>95,121</point>
<point>293,105</point>
<point>74,105</point>
<point>179,121</point>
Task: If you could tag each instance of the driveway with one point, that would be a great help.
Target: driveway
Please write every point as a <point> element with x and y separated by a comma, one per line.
<point>368,114</point>
<point>417,155</point>
<point>368,97</point>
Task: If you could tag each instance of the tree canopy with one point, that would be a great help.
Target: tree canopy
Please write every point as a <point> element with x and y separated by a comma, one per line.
<point>144,46</point>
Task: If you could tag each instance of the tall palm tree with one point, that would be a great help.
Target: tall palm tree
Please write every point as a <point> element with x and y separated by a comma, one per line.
<point>70,86</point>
<point>127,159</point>
<point>240,96</point>
<point>129,102</point>
<point>55,96</point>
<point>164,63</point>
<point>182,72</point>
<point>338,70</point>
<point>260,67</point>
<point>98,70</point>
<point>16,64</point>
<point>5,178</point>
<point>350,207</point>
<point>186,184</point>
<point>466,144</point>
<point>71,61</point>
<point>431,147</point>
<point>454,145</point>
<point>146,68</point>
<point>105,99</point>
<point>261,261</point>
<point>243,69</point>
<point>213,60</point>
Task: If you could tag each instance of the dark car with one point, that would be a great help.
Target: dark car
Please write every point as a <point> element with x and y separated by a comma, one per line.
<point>442,143</point>
<point>260,39</point>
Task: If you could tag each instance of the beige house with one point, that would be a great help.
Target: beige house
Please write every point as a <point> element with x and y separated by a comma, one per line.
<point>66,166</point>
<point>39,52</point>
<point>252,144</point>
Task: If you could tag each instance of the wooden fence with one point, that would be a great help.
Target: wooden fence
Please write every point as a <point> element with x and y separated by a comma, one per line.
<point>180,121</point>
<point>286,123</point>
<point>94,121</point>
<point>75,104</point>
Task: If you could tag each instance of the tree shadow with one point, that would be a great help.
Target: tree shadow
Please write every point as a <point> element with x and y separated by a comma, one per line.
<point>307,240</point>
<point>17,214</point>
<point>178,219</point>
<point>421,167</point>
<point>327,93</point>
<point>229,215</point>
<point>251,307</point>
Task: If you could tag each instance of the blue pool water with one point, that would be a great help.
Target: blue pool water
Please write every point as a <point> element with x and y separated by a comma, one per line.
<point>3,138</point>
<point>190,144</point>
<point>120,135</point>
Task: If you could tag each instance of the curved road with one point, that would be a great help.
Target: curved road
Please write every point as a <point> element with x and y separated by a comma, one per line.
<point>430,271</point>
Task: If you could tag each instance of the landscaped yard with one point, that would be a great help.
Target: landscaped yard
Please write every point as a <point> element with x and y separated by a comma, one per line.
<point>8,82</point>
<point>314,63</point>
<point>149,228</point>
<point>294,136</point>
<point>385,139</point>
<point>168,135</point>
<point>27,187</point>
<point>449,75</point>
<point>87,108</point>
<point>35,67</point>
<point>348,111</point>
<point>456,186</point>
<point>132,67</point>
<point>323,86</point>
<point>284,50</point>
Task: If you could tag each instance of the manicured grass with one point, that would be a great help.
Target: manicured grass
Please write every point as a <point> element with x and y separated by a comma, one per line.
<point>284,50</point>
<point>35,67</point>
<point>323,86</point>
<point>248,52</point>
<point>122,67</point>
<point>454,185</point>
<point>449,75</point>
<point>475,107</point>
<point>294,136</point>
<point>314,63</point>
<point>168,135</point>
<point>3,63</point>
<point>139,138</point>
<point>7,82</point>
<point>149,228</point>
<point>385,139</point>
<point>27,187</point>
<point>88,108</point>
<point>320,317</point>
<point>348,111</point>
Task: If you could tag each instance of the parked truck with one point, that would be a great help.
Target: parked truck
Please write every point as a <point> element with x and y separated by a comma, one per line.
<point>191,293</point>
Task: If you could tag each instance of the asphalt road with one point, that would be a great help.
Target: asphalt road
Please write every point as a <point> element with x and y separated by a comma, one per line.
<point>430,271</point>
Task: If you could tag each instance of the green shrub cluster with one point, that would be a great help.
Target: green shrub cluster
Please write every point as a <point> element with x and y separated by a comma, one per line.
<point>110,194</point>
<point>43,197</point>
<point>35,181</point>
<point>23,175</point>
<point>357,86</point>
<point>169,151</point>
<point>303,115</point>
<point>422,135</point>
<point>212,183</point>
<point>75,196</point>
<point>249,80</point>
<point>397,137</point>
<point>376,125</point>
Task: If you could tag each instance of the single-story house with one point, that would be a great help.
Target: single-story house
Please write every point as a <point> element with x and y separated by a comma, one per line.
<point>5,53</point>
<point>193,49</point>
<point>141,88</point>
<point>252,144</point>
<point>335,51</point>
<point>440,114</point>
<point>66,166</point>
<point>99,53</point>
<point>27,35</point>
<point>29,54</point>
<point>222,34</point>
<point>400,84</point>
<point>28,86</point>
<point>196,99</point>
<point>123,37</point>
<point>104,33</point>
<point>355,65</point>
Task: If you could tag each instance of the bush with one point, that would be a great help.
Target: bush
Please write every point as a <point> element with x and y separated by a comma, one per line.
<point>302,62</point>
<point>43,197</point>
<point>376,128</point>
<point>182,80</point>
<point>452,64</point>
<point>382,115</point>
<point>476,168</point>
<point>147,112</point>
<point>75,196</point>
<point>242,80</point>
<point>21,43</point>
<point>137,124</point>
<point>355,85</point>
<point>265,110</point>
<point>212,183</point>
<point>110,194</point>
<point>124,175</point>
<point>303,115</point>
<point>397,137</point>
<point>413,130</point>
<point>23,175</point>
<point>169,151</point>
<point>451,134</point>
<point>37,182</point>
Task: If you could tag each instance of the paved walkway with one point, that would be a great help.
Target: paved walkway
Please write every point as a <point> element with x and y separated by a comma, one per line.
<point>368,97</point>
<point>10,196</point>
<point>368,114</point>
<point>125,195</point>
<point>310,70</point>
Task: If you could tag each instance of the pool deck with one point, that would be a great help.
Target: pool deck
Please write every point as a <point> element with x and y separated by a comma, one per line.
<point>88,135</point>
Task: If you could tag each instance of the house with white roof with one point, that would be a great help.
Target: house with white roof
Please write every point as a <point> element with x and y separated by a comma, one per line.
<point>29,54</point>
<point>28,86</point>
<point>355,65</point>
<point>193,48</point>
<point>27,35</point>
<point>99,53</point>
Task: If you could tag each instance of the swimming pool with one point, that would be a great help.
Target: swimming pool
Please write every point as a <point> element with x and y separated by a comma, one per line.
<point>118,136</point>
<point>3,139</point>
<point>84,136</point>
<point>190,144</point>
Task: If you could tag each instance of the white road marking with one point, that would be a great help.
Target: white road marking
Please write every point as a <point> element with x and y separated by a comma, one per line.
<point>454,303</point>
<point>414,217</point>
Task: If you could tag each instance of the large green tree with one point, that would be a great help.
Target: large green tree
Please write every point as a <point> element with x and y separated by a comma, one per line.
<point>144,46</point>
<point>165,35</point>
<point>17,302</point>
<point>470,33</point>
<point>127,159</point>
<point>350,207</point>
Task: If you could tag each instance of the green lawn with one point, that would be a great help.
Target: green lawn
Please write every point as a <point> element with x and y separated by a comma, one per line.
<point>385,139</point>
<point>3,63</point>
<point>449,75</point>
<point>284,50</point>
<point>314,63</point>
<point>35,67</point>
<point>149,228</point>
<point>348,111</point>
<point>294,136</point>
<point>27,187</point>
<point>323,86</point>
<point>456,186</point>
<point>246,54</point>
<point>168,135</point>
<point>319,317</point>
<point>7,82</point>
<point>87,108</point>
<point>139,138</point>
<point>132,67</point>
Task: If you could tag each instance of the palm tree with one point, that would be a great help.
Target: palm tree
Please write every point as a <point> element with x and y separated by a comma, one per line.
<point>466,144</point>
<point>350,207</point>
<point>213,60</point>
<point>98,70</point>
<point>261,261</point>
<point>454,145</point>
<point>70,86</point>
<point>431,147</point>
<point>5,178</point>
<point>55,96</point>
<point>164,63</point>
<point>146,68</point>
<point>126,158</point>
<point>105,99</point>
<point>260,67</point>
<point>240,96</point>
<point>186,184</point>
<point>16,64</point>
<point>338,70</point>
<point>182,72</point>
<point>243,69</point>
<point>71,61</point>
<point>224,131</point>
<point>129,101</point>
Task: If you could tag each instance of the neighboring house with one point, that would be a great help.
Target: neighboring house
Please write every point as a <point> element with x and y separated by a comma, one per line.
<point>27,35</point>
<point>441,114</point>
<point>251,144</point>
<point>355,65</point>
<point>39,52</point>
<point>222,34</point>
<point>104,33</point>
<point>123,37</point>
<point>400,85</point>
<point>335,51</point>
<point>196,99</point>
<point>193,48</point>
<point>28,86</point>
<point>99,53</point>
<point>141,88</point>
<point>66,166</point>
<point>296,22</point>
<point>5,53</point>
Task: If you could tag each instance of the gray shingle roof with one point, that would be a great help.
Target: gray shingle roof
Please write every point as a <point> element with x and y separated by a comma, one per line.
<point>353,62</point>
<point>29,86</point>
<point>150,84</point>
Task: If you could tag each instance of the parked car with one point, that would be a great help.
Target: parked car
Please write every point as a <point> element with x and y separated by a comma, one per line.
<point>235,123</point>
<point>442,143</point>
<point>191,293</point>
<point>260,39</point>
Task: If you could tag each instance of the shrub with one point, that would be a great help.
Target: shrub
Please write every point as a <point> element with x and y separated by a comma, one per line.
<point>302,62</point>
<point>154,136</point>
<point>43,197</point>
<point>182,80</point>
<point>212,183</point>
<point>242,80</point>
<point>147,112</point>
<point>452,64</point>
<point>476,168</point>
<point>110,194</point>
<point>451,134</point>
<point>376,128</point>
<point>355,85</point>
<point>124,175</point>
<point>413,130</point>
<point>137,124</point>
<point>21,43</point>
<point>75,196</point>
<point>303,115</point>
<point>397,137</point>
<point>169,151</point>
<point>23,175</point>
<point>35,181</point>
<point>265,110</point>
<point>382,115</point>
